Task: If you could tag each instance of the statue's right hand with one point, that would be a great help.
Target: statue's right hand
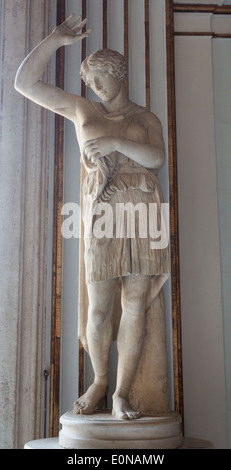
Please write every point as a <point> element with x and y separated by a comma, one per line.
<point>69,33</point>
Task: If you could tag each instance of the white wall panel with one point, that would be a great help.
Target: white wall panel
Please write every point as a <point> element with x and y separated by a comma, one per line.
<point>95,40</point>
<point>95,20</point>
<point>115,25</point>
<point>222,104</point>
<point>210,2</point>
<point>136,52</point>
<point>201,303</point>
<point>193,22</point>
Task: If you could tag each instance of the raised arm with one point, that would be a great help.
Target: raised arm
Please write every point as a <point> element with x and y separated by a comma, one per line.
<point>28,78</point>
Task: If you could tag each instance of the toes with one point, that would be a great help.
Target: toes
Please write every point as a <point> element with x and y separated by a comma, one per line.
<point>132,414</point>
<point>122,415</point>
<point>119,414</point>
<point>76,409</point>
<point>127,414</point>
<point>82,408</point>
<point>78,406</point>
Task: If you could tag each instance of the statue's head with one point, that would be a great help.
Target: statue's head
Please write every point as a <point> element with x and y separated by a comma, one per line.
<point>105,61</point>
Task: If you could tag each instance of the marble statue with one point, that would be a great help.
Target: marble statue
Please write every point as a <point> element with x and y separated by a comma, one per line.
<point>122,150</point>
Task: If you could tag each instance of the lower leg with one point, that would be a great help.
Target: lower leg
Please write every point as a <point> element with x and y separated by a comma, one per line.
<point>99,337</point>
<point>130,342</point>
<point>99,353</point>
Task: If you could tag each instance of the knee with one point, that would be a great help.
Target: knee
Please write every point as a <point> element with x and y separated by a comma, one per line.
<point>135,307</point>
<point>134,294</point>
<point>96,318</point>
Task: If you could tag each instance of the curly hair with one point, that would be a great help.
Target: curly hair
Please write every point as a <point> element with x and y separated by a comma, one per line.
<point>108,61</point>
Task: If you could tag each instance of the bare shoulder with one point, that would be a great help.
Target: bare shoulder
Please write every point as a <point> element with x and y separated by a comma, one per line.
<point>147,117</point>
<point>153,127</point>
<point>84,109</point>
<point>152,120</point>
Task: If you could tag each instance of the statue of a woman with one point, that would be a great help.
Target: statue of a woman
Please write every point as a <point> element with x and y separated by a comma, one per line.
<point>122,149</point>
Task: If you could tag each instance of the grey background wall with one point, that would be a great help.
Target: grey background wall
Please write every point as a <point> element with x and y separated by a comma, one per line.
<point>203,151</point>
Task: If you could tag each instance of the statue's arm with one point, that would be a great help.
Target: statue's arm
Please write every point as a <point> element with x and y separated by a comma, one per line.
<point>150,154</point>
<point>28,78</point>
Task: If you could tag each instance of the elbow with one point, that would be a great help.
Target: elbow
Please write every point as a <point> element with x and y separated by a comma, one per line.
<point>18,87</point>
<point>161,158</point>
<point>21,83</point>
<point>158,159</point>
<point>18,83</point>
<point>21,87</point>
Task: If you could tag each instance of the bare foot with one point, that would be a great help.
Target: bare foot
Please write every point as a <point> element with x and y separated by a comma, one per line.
<point>122,410</point>
<point>88,402</point>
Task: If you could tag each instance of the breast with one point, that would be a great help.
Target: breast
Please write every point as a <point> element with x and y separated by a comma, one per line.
<point>90,129</point>
<point>95,125</point>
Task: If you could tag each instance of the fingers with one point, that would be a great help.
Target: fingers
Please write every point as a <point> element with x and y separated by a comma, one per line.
<point>94,149</point>
<point>69,18</point>
<point>75,28</point>
<point>91,148</point>
<point>92,152</point>
<point>90,145</point>
<point>93,155</point>
<point>81,25</point>
<point>86,34</point>
<point>73,24</point>
<point>89,142</point>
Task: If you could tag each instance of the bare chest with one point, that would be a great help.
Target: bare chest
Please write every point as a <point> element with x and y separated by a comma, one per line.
<point>94,125</point>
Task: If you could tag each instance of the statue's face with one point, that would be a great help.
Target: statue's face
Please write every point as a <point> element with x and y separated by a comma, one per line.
<point>103,84</point>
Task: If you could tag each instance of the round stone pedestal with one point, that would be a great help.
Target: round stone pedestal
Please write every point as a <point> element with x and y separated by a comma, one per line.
<point>53,444</point>
<point>102,431</point>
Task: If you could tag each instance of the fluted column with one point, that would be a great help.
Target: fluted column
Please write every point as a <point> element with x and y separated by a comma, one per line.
<point>26,139</point>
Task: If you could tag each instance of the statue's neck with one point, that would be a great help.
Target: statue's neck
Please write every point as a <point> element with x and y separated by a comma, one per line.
<point>119,102</point>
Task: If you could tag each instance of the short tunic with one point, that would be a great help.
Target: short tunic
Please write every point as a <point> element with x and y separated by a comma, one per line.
<point>119,201</point>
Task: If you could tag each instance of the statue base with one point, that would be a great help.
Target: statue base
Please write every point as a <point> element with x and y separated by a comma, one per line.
<point>102,431</point>
<point>52,443</point>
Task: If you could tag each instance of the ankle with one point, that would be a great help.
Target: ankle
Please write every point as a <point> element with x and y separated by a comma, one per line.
<point>101,380</point>
<point>122,393</point>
